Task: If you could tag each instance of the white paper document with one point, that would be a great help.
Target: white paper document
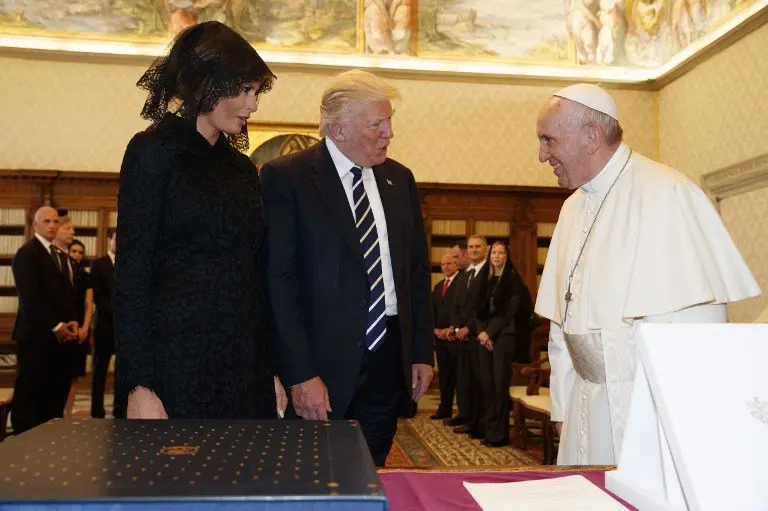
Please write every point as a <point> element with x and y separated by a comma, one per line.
<point>572,493</point>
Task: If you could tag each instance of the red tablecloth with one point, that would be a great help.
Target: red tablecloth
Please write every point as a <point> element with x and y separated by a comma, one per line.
<point>443,491</point>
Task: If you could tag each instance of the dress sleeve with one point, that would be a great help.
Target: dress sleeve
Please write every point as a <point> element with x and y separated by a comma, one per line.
<point>143,181</point>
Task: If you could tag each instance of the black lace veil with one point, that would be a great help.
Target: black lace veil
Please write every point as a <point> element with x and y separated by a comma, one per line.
<point>204,64</point>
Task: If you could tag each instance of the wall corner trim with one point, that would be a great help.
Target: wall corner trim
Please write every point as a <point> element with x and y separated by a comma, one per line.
<point>736,179</point>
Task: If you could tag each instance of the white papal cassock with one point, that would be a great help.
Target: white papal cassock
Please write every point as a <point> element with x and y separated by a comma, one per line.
<point>658,252</point>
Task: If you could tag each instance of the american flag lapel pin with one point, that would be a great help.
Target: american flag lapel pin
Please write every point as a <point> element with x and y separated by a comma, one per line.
<point>390,183</point>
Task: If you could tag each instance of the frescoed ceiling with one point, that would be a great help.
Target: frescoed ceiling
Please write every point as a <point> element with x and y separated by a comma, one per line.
<point>611,40</point>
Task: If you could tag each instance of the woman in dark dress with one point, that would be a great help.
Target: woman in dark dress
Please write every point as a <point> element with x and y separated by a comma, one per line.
<point>191,316</point>
<point>84,307</point>
<point>502,324</point>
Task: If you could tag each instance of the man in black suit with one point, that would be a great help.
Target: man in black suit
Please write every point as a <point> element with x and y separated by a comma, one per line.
<point>349,274</point>
<point>45,321</point>
<point>468,388</point>
<point>459,253</point>
<point>102,277</point>
<point>446,346</point>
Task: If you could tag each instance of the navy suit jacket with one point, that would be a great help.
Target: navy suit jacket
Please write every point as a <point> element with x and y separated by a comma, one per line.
<point>317,278</point>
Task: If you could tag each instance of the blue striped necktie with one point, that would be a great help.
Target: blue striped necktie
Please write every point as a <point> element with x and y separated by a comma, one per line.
<point>376,326</point>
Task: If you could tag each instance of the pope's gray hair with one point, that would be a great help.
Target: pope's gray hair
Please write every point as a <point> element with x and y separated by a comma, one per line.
<point>585,116</point>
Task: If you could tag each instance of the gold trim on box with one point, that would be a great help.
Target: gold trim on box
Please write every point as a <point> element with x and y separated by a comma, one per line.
<point>179,450</point>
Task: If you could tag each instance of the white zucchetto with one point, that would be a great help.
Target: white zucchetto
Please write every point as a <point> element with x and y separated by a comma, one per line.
<point>591,96</point>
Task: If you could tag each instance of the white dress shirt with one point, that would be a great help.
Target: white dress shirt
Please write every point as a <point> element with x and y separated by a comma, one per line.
<point>111,257</point>
<point>344,167</point>
<point>476,269</point>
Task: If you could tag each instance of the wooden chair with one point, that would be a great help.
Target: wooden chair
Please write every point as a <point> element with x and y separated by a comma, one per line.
<point>6,397</point>
<point>523,381</point>
<point>535,406</point>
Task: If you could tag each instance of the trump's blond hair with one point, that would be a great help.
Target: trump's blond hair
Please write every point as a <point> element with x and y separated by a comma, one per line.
<point>348,89</point>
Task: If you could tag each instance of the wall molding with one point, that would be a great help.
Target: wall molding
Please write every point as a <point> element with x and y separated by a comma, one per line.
<point>736,179</point>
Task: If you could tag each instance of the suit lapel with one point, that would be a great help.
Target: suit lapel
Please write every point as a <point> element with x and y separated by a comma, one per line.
<point>47,255</point>
<point>44,253</point>
<point>392,204</point>
<point>328,183</point>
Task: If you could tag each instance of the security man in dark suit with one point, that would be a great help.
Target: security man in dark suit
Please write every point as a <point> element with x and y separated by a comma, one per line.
<point>446,347</point>
<point>45,322</point>
<point>349,273</point>
<point>468,388</point>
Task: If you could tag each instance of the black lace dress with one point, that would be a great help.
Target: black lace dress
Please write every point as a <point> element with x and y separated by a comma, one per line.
<point>191,318</point>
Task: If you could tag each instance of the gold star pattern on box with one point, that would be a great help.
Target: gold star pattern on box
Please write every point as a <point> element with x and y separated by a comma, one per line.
<point>109,459</point>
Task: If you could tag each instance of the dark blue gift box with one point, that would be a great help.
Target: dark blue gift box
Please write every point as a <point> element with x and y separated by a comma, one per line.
<point>189,465</point>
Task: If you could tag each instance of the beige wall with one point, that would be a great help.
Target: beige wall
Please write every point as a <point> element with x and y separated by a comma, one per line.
<point>446,131</point>
<point>79,116</point>
<point>717,115</point>
<point>746,216</point>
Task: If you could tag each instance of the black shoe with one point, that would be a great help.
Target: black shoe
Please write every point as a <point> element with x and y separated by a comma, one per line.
<point>476,435</point>
<point>489,443</point>
<point>464,428</point>
<point>455,421</point>
<point>439,416</point>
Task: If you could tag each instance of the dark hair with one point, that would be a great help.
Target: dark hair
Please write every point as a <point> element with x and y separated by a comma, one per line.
<point>111,232</point>
<point>77,242</point>
<point>206,63</point>
<point>462,244</point>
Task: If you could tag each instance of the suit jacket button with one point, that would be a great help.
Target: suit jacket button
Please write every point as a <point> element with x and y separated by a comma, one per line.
<point>363,303</point>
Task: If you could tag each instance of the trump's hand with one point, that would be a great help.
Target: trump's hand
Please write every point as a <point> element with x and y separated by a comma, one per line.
<point>421,375</point>
<point>310,399</point>
<point>144,404</point>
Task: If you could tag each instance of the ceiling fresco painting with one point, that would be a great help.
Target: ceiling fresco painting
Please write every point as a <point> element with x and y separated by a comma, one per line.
<point>620,34</point>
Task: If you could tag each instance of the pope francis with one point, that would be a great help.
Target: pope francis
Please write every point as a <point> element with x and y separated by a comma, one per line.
<point>636,242</point>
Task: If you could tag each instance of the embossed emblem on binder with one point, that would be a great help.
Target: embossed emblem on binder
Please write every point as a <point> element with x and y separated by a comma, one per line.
<point>759,410</point>
<point>180,450</point>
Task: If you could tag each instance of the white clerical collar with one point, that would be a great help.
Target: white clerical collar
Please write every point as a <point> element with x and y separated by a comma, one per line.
<point>476,267</point>
<point>340,161</point>
<point>601,182</point>
<point>47,244</point>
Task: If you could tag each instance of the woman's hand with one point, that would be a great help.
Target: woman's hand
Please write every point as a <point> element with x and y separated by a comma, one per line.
<point>144,404</point>
<point>485,341</point>
<point>282,398</point>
